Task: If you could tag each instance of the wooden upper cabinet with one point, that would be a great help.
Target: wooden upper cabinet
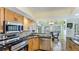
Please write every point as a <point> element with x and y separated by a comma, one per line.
<point>13,16</point>
<point>21,19</point>
<point>1,19</point>
<point>9,15</point>
<point>18,18</point>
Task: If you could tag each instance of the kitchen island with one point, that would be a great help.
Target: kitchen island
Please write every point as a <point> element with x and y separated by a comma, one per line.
<point>72,44</point>
<point>39,42</point>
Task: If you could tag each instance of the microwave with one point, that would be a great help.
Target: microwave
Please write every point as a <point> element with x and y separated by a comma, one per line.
<point>9,27</point>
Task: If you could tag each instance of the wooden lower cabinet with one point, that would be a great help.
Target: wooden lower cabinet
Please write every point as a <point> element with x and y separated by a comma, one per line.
<point>34,43</point>
<point>38,44</point>
<point>45,44</point>
<point>71,46</point>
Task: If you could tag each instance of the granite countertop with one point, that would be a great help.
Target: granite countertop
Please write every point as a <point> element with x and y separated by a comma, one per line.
<point>1,47</point>
<point>41,35</point>
<point>8,45</point>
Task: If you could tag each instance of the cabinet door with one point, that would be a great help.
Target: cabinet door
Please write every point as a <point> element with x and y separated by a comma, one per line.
<point>13,16</point>
<point>45,44</point>
<point>19,18</point>
<point>1,19</point>
<point>30,45</point>
<point>36,43</point>
<point>9,15</point>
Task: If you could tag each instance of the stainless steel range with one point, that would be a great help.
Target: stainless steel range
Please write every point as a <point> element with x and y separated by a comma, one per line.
<point>19,45</point>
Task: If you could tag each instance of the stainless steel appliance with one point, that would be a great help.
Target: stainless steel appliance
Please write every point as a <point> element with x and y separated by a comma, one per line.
<point>19,46</point>
<point>10,27</point>
<point>2,38</point>
<point>11,37</point>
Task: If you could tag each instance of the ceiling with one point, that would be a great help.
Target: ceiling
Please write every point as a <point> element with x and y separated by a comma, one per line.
<point>35,13</point>
<point>42,9</point>
<point>45,12</point>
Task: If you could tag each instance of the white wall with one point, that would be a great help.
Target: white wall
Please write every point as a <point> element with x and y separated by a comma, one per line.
<point>70,32</point>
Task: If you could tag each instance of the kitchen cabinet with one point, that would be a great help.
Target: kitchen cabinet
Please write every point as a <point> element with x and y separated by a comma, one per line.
<point>34,43</point>
<point>27,23</point>
<point>71,46</point>
<point>39,44</point>
<point>9,15</point>
<point>1,19</point>
<point>13,16</point>
<point>18,18</point>
<point>45,44</point>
